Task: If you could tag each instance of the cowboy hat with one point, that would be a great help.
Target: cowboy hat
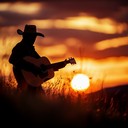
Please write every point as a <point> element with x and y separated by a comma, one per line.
<point>29,29</point>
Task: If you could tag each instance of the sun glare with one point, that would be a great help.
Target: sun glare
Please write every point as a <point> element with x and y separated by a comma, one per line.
<point>80,82</point>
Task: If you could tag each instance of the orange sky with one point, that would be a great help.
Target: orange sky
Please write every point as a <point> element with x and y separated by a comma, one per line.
<point>96,37</point>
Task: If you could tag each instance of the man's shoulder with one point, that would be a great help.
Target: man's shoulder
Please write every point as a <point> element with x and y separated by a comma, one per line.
<point>19,45</point>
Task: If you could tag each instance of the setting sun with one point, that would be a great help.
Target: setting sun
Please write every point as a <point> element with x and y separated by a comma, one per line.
<point>80,82</point>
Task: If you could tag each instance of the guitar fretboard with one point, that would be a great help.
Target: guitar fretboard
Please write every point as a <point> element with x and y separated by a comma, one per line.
<point>56,65</point>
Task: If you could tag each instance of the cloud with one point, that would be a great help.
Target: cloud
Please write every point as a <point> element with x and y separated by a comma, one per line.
<point>111,43</point>
<point>97,8</point>
<point>17,13</point>
<point>83,23</point>
<point>111,52</point>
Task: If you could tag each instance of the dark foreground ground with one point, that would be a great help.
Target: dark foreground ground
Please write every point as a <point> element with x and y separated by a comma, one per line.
<point>106,108</point>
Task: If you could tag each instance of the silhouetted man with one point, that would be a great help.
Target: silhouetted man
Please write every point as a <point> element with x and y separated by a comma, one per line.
<point>21,64</point>
<point>25,48</point>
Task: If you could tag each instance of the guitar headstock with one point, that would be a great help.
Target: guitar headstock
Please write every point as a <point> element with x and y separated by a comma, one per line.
<point>70,60</point>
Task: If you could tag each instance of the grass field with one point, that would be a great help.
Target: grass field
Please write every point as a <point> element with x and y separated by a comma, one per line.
<point>107,108</point>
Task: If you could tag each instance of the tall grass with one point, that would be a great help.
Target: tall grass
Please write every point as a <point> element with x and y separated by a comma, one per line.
<point>62,108</point>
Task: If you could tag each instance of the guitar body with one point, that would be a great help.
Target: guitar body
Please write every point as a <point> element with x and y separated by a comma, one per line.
<point>31,78</point>
<point>47,70</point>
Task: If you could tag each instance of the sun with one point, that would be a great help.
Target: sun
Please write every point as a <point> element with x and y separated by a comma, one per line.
<point>80,82</point>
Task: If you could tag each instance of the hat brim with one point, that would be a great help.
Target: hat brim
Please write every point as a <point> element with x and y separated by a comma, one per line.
<point>20,32</point>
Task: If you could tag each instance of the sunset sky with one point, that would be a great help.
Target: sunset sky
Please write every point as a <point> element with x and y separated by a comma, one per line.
<point>94,32</point>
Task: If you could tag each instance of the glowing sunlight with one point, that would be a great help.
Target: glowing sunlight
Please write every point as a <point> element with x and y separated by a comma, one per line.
<point>80,82</point>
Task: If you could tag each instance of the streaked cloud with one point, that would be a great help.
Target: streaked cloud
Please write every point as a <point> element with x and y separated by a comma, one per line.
<point>20,7</point>
<point>111,43</point>
<point>83,23</point>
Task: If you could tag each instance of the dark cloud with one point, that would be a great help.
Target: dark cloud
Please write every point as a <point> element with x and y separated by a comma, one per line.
<point>12,18</point>
<point>98,8</point>
<point>91,53</point>
<point>111,52</point>
<point>88,38</point>
<point>83,35</point>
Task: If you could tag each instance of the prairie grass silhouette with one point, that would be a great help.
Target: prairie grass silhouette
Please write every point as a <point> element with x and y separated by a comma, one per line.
<point>104,108</point>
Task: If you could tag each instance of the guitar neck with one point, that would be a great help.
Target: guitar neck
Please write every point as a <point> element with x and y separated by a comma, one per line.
<point>57,65</point>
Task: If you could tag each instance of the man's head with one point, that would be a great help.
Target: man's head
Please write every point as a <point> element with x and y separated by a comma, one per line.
<point>29,34</point>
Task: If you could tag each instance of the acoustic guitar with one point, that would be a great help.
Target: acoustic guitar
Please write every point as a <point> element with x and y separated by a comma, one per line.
<point>47,69</point>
